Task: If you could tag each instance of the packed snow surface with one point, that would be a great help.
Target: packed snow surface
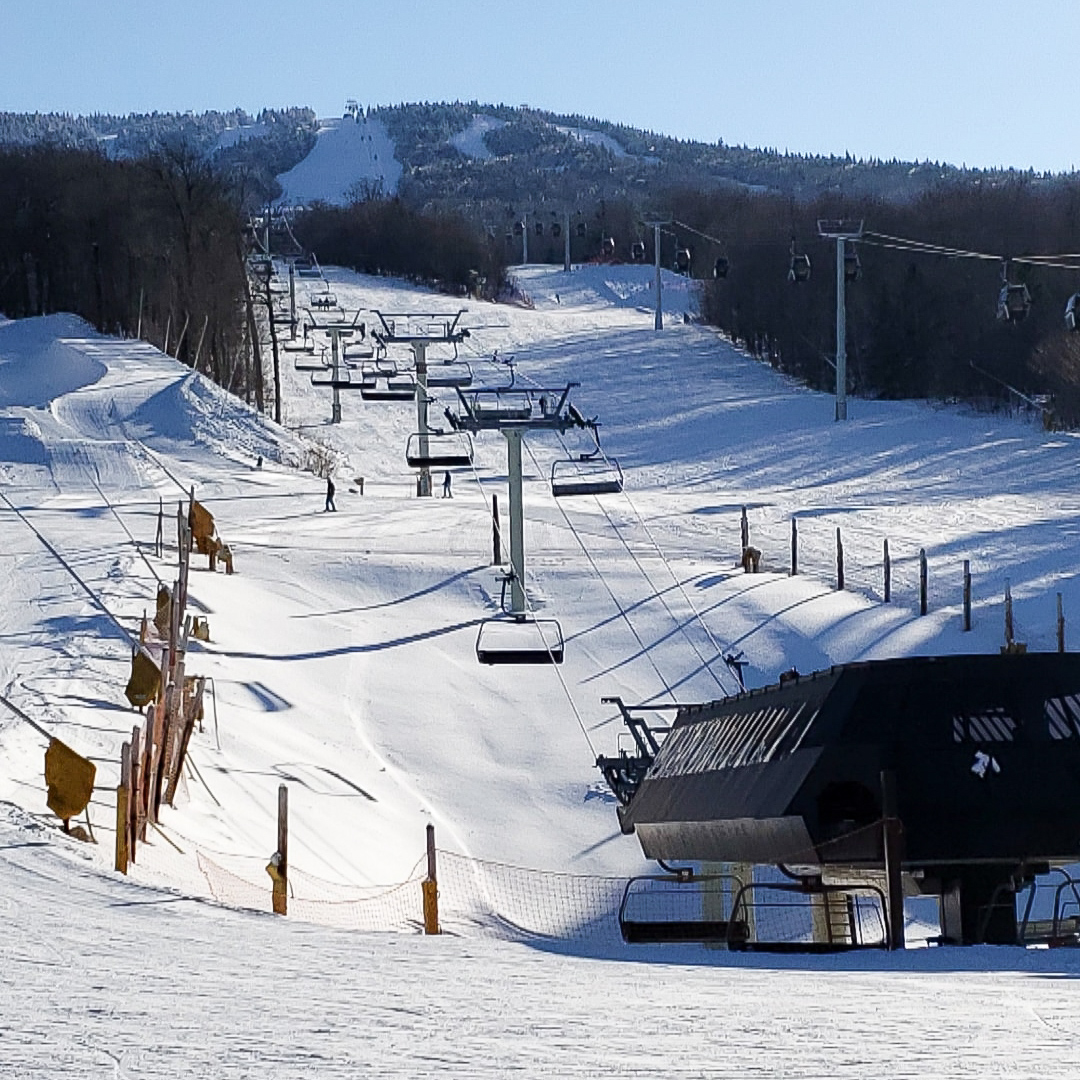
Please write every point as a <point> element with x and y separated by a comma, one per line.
<point>343,665</point>
<point>470,141</point>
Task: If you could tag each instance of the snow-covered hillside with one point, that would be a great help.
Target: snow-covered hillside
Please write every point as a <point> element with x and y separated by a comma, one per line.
<point>343,659</point>
<point>349,154</point>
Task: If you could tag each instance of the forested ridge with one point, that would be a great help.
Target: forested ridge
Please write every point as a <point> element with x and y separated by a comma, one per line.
<point>153,240</point>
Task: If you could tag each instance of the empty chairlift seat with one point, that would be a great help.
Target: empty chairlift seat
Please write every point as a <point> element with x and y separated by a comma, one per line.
<point>519,639</point>
<point>454,374</point>
<point>586,475</point>
<point>439,450</point>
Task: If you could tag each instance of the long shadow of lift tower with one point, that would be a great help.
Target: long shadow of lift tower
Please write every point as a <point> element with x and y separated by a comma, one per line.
<point>517,636</point>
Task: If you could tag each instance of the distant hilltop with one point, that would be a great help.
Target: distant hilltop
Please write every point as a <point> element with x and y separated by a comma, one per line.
<point>451,155</point>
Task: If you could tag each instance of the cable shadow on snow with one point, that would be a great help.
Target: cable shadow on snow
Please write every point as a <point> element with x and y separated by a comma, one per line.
<point>375,647</point>
<point>427,591</point>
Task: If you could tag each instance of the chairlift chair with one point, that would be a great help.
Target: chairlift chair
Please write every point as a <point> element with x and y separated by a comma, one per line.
<point>391,390</point>
<point>637,251</point>
<point>799,269</point>
<point>445,450</point>
<point>341,380</point>
<point>720,267</point>
<point>1014,303</point>
<point>1072,313</point>
<point>539,228</point>
<point>682,260</point>
<point>519,639</point>
<point>852,266</point>
<point>675,907</point>
<point>607,247</point>
<point>556,230</point>
<point>581,230</point>
<point>457,374</point>
<point>324,301</point>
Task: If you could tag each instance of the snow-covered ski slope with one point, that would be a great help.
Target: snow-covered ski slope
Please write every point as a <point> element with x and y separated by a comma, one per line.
<point>342,654</point>
<point>349,154</point>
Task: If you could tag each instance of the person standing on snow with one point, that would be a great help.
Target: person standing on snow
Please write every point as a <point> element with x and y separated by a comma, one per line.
<point>330,494</point>
<point>446,493</point>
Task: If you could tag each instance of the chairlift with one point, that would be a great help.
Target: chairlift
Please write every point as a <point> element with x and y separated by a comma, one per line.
<point>607,247</point>
<point>304,345</point>
<point>500,404</point>
<point>392,390</point>
<point>519,228</point>
<point>342,379</point>
<point>539,228</point>
<point>310,362</point>
<point>1072,313</point>
<point>324,301</point>
<point>682,260</point>
<point>581,230</point>
<point>457,374</point>
<point>556,230</point>
<point>720,267</point>
<point>1014,303</point>
<point>444,450</point>
<point>799,270</point>
<point>680,907</point>
<point>852,266</point>
<point>637,251</point>
<point>519,639</point>
<point>585,475</point>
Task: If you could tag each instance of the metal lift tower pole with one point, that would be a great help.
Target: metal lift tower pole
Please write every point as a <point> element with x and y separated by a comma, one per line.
<point>335,352</point>
<point>517,522</point>
<point>841,232</point>
<point>292,303</point>
<point>658,323</point>
<point>420,358</point>
<point>566,244</point>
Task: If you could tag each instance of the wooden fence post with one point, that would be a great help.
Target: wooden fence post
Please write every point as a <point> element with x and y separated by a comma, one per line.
<point>744,531</point>
<point>430,887</point>
<point>922,581</point>
<point>136,817</point>
<point>496,532</point>
<point>279,863</point>
<point>1060,625</point>
<point>967,594</point>
<point>123,791</point>
<point>839,560</point>
<point>888,574</point>
<point>159,538</point>
<point>1008,617</point>
<point>794,546</point>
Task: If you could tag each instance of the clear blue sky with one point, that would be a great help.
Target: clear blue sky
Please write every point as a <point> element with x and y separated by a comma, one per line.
<point>981,82</point>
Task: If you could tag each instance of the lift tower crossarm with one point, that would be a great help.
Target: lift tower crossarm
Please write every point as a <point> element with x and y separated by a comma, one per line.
<point>419,330</point>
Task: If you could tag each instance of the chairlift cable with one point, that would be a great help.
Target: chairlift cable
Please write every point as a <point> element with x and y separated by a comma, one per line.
<point>614,599</point>
<point>678,584</point>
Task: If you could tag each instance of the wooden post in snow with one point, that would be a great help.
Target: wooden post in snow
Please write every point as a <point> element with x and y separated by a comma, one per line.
<point>123,794</point>
<point>430,887</point>
<point>159,539</point>
<point>1009,637</point>
<point>794,546</point>
<point>496,532</point>
<point>744,532</point>
<point>888,573</point>
<point>839,560</point>
<point>967,594</point>
<point>1060,625</point>
<point>278,868</point>
<point>136,818</point>
<point>923,575</point>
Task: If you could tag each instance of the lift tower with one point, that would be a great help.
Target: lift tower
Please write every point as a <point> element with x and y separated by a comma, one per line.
<point>846,270</point>
<point>419,330</point>
<point>514,411</point>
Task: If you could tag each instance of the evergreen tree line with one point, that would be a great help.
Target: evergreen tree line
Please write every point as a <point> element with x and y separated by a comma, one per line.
<point>376,236</point>
<point>918,325</point>
<point>150,247</point>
